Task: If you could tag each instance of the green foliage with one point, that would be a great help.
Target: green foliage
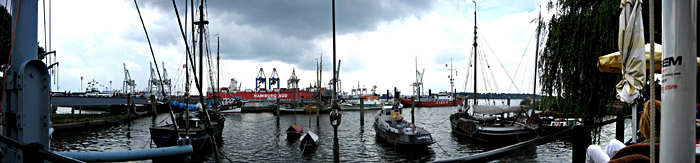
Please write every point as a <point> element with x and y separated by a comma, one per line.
<point>6,37</point>
<point>578,34</point>
<point>5,29</point>
<point>526,101</point>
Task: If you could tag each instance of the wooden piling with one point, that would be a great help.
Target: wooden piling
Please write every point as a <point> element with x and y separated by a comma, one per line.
<point>362,112</point>
<point>153,111</point>
<point>620,128</point>
<point>128,107</point>
<point>278,111</point>
<point>413,109</point>
<point>580,139</point>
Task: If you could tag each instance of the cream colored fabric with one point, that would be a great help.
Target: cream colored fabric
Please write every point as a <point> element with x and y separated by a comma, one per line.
<point>631,45</point>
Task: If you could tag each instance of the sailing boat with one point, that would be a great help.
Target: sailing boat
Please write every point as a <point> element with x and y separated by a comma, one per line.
<point>294,131</point>
<point>198,123</point>
<point>483,123</point>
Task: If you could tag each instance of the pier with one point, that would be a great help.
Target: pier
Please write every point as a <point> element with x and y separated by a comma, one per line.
<point>70,101</point>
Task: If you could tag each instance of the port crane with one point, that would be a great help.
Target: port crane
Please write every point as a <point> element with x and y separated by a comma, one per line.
<point>261,81</point>
<point>274,79</point>
<point>129,84</point>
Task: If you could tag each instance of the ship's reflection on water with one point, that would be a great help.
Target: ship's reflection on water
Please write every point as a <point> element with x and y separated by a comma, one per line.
<point>256,137</point>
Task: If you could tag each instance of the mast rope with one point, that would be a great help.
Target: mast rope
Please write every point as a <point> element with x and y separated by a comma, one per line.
<point>512,82</point>
<point>523,56</point>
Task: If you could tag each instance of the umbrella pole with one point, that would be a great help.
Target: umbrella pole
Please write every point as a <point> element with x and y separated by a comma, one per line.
<point>634,125</point>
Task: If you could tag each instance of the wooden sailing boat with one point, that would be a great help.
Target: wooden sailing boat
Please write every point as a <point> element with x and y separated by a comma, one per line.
<point>199,125</point>
<point>294,131</point>
<point>481,122</point>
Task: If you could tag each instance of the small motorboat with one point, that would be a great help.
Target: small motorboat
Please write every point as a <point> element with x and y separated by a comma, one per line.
<point>230,109</point>
<point>294,131</point>
<point>400,132</point>
<point>308,142</point>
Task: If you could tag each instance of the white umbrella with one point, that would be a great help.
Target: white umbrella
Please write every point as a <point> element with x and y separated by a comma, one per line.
<point>631,44</point>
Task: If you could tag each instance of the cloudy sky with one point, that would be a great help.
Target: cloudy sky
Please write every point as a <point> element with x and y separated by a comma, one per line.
<point>378,41</point>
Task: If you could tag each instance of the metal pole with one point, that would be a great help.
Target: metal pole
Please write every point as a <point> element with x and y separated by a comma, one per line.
<point>335,117</point>
<point>678,88</point>
<point>25,110</point>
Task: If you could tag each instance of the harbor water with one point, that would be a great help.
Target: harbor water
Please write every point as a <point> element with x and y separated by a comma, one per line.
<point>256,137</point>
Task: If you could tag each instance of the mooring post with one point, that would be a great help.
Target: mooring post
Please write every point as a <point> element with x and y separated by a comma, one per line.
<point>153,110</point>
<point>580,139</point>
<point>362,111</point>
<point>72,110</point>
<point>413,109</point>
<point>128,107</point>
<point>278,111</point>
<point>620,127</point>
<point>508,101</point>
<point>80,109</point>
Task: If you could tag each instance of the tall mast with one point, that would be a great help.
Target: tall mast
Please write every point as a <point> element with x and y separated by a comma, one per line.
<point>217,69</point>
<point>201,52</point>
<point>452,80</point>
<point>475,61</point>
<point>537,50</point>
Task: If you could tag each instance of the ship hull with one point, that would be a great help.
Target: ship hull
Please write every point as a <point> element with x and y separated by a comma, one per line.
<point>435,103</point>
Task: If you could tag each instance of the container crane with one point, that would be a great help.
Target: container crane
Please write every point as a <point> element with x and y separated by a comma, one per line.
<point>293,81</point>
<point>261,81</point>
<point>129,84</point>
<point>274,79</point>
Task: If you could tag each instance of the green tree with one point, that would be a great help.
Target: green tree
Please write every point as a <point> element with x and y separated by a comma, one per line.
<point>578,34</point>
<point>6,37</point>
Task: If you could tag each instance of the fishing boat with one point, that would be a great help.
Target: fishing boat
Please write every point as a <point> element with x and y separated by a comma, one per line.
<point>495,124</point>
<point>434,101</point>
<point>294,131</point>
<point>369,103</point>
<point>308,142</point>
<point>229,109</point>
<point>169,134</point>
<point>400,132</point>
<point>488,123</point>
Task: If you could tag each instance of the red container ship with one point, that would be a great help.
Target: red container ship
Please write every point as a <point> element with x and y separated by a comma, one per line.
<point>234,92</point>
<point>434,101</point>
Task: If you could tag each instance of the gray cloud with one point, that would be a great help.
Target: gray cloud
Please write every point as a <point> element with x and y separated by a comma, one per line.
<point>265,30</point>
